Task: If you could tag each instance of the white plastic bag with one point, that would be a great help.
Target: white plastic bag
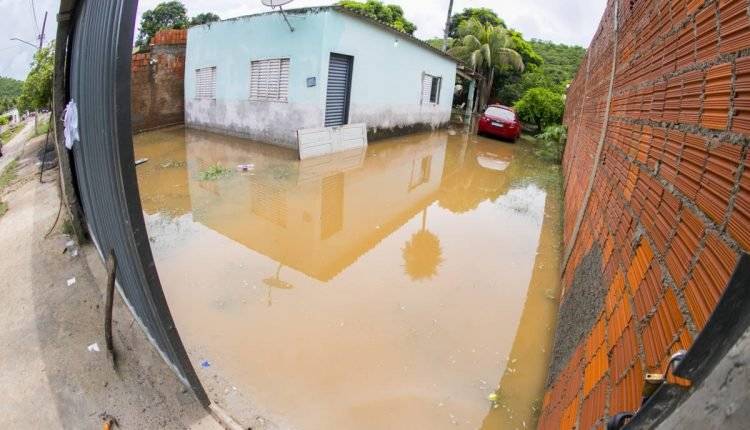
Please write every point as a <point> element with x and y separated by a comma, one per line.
<point>70,119</point>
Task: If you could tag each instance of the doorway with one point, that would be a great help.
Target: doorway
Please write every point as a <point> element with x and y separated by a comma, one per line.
<point>339,89</point>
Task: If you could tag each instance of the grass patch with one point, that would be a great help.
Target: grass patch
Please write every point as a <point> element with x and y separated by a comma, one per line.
<point>3,208</point>
<point>67,228</point>
<point>215,172</point>
<point>42,128</point>
<point>8,175</point>
<point>10,132</point>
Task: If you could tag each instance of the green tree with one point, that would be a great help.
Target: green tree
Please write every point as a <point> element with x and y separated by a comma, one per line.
<point>204,18</point>
<point>390,14</point>
<point>486,48</point>
<point>541,107</point>
<point>482,14</point>
<point>526,49</point>
<point>561,62</point>
<point>167,15</point>
<point>10,90</point>
<point>37,89</point>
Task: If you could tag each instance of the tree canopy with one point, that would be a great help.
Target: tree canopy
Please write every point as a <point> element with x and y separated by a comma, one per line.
<point>167,15</point>
<point>561,62</point>
<point>37,89</point>
<point>541,107</point>
<point>486,48</point>
<point>484,15</point>
<point>557,68</point>
<point>10,90</point>
<point>390,14</point>
<point>204,18</point>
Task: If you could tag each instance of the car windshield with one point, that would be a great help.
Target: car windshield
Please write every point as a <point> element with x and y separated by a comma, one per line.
<point>501,113</point>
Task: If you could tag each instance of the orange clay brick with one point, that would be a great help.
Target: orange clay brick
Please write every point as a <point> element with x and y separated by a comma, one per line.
<point>715,266</point>
<point>739,221</point>
<point>734,25</point>
<point>716,97</point>
<point>595,369</point>
<point>741,120</point>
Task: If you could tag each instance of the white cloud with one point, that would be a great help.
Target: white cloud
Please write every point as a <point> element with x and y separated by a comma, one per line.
<point>562,21</point>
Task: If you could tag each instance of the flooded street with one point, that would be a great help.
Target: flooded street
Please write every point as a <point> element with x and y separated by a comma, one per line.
<point>395,288</point>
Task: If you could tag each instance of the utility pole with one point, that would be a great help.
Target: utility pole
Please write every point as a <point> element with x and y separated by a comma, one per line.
<point>447,26</point>
<point>41,45</point>
<point>38,48</point>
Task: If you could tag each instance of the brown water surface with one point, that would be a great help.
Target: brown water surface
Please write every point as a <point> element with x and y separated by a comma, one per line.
<point>392,288</point>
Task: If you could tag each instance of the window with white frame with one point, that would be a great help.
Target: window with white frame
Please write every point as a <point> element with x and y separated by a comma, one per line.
<point>431,88</point>
<point>205,83</point>
<point>269,80</point>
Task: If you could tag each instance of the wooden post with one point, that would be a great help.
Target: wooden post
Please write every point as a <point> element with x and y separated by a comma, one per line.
<point>111,265</point>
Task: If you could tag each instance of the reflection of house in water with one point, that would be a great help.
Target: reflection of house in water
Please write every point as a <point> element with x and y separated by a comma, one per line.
<point>317,216</point>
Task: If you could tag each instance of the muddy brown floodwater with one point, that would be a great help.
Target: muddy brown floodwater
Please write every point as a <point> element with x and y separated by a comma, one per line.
<point>392,288</point>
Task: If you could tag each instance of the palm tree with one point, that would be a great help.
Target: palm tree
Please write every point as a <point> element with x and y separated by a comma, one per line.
<point>422,253</point>
<point>485,48</point>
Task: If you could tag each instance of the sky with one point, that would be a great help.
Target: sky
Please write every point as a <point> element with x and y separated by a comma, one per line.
<point>572,22</point>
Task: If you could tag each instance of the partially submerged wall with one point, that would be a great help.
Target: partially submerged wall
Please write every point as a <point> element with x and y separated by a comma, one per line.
<point>157,81</point>
<point>657,180</point>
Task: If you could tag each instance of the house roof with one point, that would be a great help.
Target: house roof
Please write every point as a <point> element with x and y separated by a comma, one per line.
<point>362,17</point>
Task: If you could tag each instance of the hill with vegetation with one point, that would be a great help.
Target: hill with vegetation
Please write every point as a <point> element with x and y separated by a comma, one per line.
<point>10,90</point>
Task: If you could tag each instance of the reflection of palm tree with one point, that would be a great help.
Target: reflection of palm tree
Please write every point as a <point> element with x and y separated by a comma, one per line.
<point>422,254</point>
<point>276,282</point>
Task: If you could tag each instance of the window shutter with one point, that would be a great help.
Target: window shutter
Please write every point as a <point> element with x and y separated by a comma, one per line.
<point>205,83</point>
<point>269,80</point>
<point>426,87</point>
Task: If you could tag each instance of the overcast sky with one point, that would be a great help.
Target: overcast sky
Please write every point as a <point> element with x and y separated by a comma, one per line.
<point>562,21</point>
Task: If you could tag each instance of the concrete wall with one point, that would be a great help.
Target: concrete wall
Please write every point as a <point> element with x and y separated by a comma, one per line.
<point>386,81</point>
<point>157,82</point>
<point>387,77</point>
<point>657,196</point>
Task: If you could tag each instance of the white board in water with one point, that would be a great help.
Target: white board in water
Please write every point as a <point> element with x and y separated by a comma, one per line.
<point>316,142</point>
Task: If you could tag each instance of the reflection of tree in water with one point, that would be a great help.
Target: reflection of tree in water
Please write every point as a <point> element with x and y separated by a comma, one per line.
<point>422,253</point>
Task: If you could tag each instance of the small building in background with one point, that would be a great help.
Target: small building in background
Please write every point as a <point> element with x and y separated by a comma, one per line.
<point>257,78</point>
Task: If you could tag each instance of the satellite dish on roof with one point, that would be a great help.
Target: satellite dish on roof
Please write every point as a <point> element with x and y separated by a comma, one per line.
<point>273,4</point>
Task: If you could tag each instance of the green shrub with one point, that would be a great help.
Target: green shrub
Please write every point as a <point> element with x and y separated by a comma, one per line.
<point>541,107</point>
<point>551,143</point>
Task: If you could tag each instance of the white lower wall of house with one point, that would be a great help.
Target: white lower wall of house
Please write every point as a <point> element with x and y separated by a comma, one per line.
<point>398,116</point>
<point>269,122</point>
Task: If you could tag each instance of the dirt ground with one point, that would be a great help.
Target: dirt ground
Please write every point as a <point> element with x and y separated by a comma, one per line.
<point>48,376</point>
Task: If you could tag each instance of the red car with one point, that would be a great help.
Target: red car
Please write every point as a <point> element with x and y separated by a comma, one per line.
<point>500,121</point>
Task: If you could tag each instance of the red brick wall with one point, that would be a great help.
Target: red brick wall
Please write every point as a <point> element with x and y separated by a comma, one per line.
<point>670,201</point>
<point>170,37</point>
<point>157,82</point>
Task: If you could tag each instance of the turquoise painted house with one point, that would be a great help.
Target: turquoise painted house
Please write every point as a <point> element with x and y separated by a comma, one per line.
<point>255,77</point>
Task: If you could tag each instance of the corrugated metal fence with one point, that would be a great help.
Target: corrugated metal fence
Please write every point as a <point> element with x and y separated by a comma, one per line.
<point>99,82</point>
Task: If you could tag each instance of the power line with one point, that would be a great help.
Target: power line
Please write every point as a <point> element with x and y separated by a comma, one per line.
<point>33,14</point>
